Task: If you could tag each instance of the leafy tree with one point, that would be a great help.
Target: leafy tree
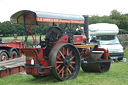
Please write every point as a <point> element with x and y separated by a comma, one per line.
<point>115,17</point>
<point>19,29</point>
<point>121,20</point>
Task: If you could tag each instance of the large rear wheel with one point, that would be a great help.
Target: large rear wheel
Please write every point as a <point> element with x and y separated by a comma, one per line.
<point>65,60</point>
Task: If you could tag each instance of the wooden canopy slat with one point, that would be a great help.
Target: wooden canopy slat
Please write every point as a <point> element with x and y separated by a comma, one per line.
<point>13,62</point>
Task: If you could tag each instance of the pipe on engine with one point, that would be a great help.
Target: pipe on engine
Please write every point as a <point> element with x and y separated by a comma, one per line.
<point>86,26</point>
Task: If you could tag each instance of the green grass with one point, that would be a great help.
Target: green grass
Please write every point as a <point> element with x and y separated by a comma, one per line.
<point>117,75</point>
<point>21,38</point>
<point>126,52</point>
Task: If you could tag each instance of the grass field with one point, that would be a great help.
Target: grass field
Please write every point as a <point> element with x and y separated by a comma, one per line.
<point>21,38</point>
<point>117,75</point>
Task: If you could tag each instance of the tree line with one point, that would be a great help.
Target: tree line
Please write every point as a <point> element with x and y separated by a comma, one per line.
<point>115,17</point>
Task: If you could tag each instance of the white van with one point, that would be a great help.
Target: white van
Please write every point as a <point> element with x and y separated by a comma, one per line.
<point>106,33</point>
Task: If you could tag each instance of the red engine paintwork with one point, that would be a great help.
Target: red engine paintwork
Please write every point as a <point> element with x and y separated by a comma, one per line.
<point>63,39</point>
<point>84,52</point>
<point>30,54</point>
<point>79,38</point>
<point>37,55</point>
<point>106,55</point>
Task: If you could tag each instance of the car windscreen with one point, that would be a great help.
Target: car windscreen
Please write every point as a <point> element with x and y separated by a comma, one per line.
<point>108,40</point>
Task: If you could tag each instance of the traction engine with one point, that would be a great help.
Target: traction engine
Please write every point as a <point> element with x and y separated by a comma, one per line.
<point>61,55</point>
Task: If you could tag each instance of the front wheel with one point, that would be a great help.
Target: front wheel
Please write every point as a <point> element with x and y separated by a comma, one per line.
<point>65,62</point>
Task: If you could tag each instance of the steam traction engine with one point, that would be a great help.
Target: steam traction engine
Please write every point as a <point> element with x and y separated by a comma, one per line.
<point>62,53</point>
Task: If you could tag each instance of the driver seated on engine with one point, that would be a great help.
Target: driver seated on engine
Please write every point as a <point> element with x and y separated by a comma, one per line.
<point>79,30</point>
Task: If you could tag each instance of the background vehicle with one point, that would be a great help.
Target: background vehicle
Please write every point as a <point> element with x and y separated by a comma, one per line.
<point>10,50</point>
<point>61,53</point>
<point>106,35</point>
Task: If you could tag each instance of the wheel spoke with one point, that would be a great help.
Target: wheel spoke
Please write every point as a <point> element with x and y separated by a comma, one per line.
<point>58,66</point>
<point>72,62</point>
<point>72,57</point>
<point>59,62</point>
<point>70,53</point>
<point>58,58</point>
<point>69,71</point>
<point>61,70</point>
<point>62,55</point>
<point>62,73</point>
<point>72,67</point>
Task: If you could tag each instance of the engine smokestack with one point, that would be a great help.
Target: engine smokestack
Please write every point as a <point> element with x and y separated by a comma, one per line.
<point>86,26</point>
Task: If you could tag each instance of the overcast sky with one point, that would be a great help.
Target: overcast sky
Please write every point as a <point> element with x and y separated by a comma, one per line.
<point>78,7</point>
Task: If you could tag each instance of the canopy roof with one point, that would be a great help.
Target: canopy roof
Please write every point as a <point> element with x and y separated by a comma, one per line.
<point>42,17</point>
